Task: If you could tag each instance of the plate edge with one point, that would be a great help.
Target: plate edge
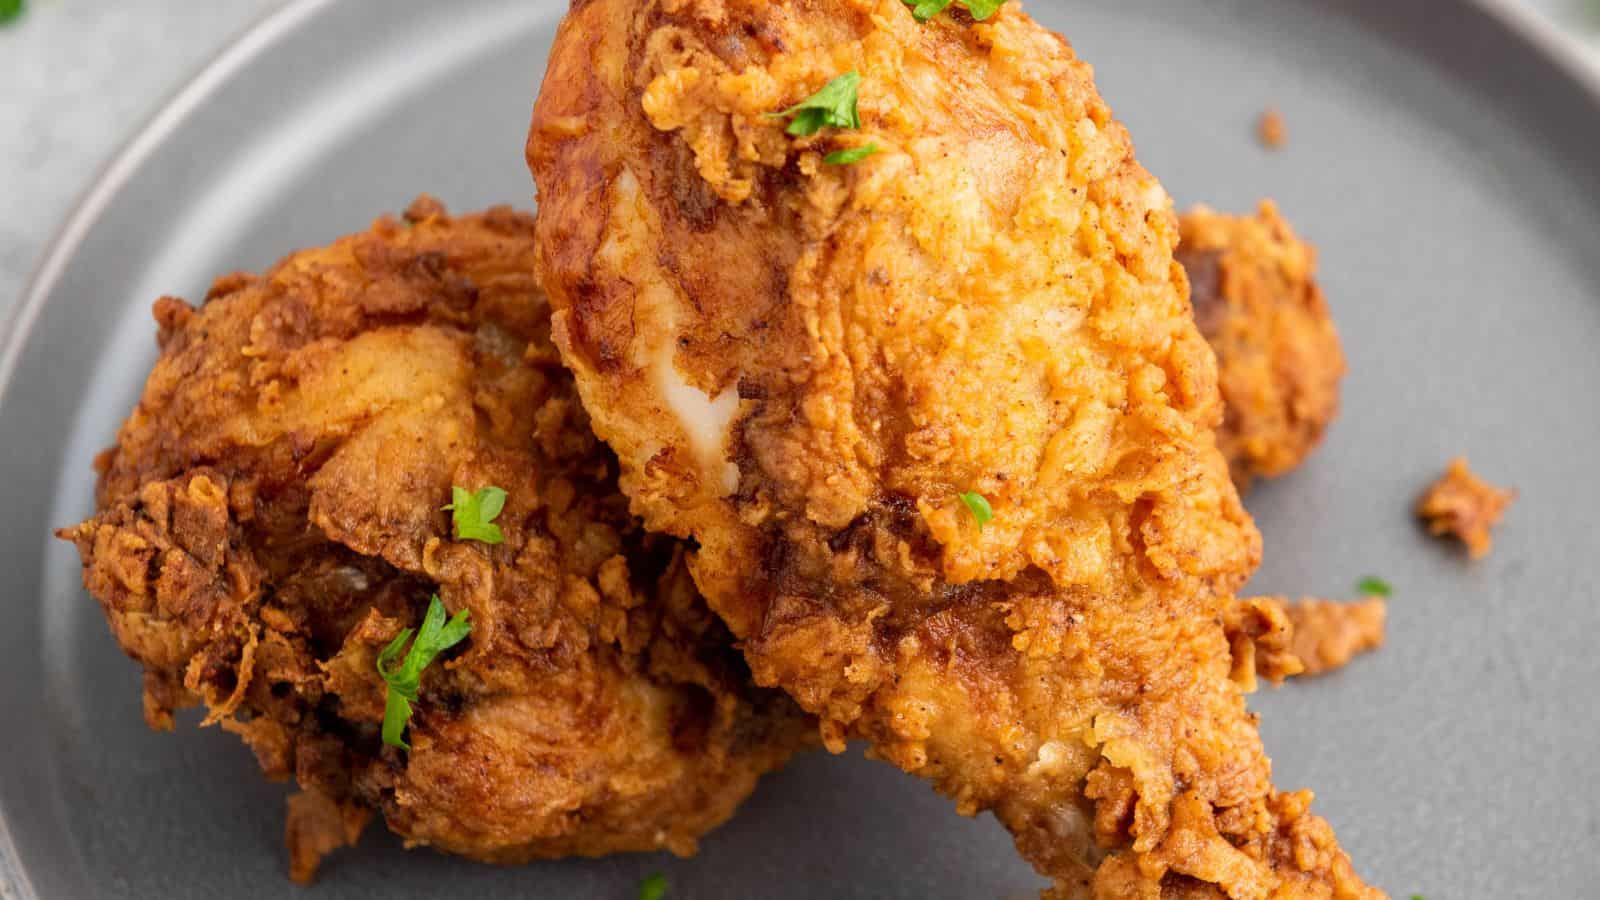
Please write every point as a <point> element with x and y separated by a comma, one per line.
<point>109,179</point>
<point>102,189</point>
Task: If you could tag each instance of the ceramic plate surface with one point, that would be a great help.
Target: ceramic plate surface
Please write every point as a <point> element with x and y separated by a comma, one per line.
<point>1444,163</point>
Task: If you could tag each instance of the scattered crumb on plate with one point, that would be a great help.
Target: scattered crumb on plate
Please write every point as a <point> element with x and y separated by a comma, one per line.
<point>1464,506</point>
<point>1271,129</point>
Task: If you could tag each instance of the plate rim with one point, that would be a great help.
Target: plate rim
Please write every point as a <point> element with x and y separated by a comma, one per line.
<point>1564,51</point>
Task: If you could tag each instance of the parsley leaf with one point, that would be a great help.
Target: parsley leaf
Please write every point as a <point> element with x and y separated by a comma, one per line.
<point>981,510</point>
<point>475,514</point>
<point>923,10</point>
<point>834,105</point>
<point>653,887</point>
<point>983,9</point>
<point>11,10</point>
<point>1373,586</point>
<point>435,637</point>
<point>851,156</point>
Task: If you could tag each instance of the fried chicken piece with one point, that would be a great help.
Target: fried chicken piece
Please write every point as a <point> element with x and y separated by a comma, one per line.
<point>1464,506</point>
<point>1257,301</point>
<point>804,366</point>
<point>271,518</point>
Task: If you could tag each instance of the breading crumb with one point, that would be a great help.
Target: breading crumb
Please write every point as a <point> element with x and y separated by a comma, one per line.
<point>1271,130</point>
<point>1462,505</point>
<point>1275,639</point>
<point>1327,635</point>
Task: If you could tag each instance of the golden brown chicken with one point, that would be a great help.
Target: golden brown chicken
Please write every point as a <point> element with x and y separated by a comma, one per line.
<point>270,520</point>
<point>929,396</point>
<point>1257,302</point>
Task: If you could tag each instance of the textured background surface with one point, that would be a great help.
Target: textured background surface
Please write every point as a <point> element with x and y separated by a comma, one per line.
<point>80,75</point>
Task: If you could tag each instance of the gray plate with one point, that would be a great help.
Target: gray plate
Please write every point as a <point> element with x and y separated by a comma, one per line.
<point>1444,164</point>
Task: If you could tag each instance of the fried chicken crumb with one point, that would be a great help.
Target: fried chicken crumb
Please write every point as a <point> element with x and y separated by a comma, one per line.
<point>1464,506</point>
<point>1328,634</point>
<point>1275,639</point>
<point>317,825</point>
<point>1271,129</point>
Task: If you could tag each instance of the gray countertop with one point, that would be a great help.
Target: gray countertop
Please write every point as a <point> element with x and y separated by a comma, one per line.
<point>81,75</point>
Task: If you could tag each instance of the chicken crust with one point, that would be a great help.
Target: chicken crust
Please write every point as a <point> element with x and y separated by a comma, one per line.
<point>1258,303</point>
<point>1277,639</point>
<point>1463,506</point>
<point>803,366</point>
<point>270,519</point>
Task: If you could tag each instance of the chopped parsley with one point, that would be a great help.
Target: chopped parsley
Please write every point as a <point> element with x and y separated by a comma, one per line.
<point>852,156</point>
<point>475,513</point>
<point>923,10</point>
<point>1373,586</point>
<point>979,504</point>
<point>654,887</point>
<point>833,106</point>
<point>11,10</point>
<point>983,9</point>
<point>435,637</point>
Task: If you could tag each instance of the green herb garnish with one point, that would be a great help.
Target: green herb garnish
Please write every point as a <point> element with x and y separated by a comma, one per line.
<point>983,9</point>
<point>435,637</point>
<point>923,10</point>
<point>1373,586</point>
<point>834,105</point>
<point>653,887</point>
<point>475,513</point>
<point>852,156</point>
<point>11,10</point>
<point>979,504</point>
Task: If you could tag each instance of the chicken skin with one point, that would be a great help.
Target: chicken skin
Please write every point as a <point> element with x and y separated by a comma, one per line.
<point>935,413</point>
<point>270,520</point>
<point>1257,301</point>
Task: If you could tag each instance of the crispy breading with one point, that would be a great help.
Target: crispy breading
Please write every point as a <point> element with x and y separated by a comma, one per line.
<point>1257,301</point>
<point>1463,506</point>
<point>1328,635</point>
<point>271,517</point>
<point>1276,639</point>
<point>803,366</point>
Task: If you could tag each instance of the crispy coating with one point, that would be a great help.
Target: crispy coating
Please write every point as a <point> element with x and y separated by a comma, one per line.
<point>1257,301</point>
<point>1277,639</point>
<point>1328,635</point>
<point>271,517</point>
<point>803,365</point>
<point>1463,506</point>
